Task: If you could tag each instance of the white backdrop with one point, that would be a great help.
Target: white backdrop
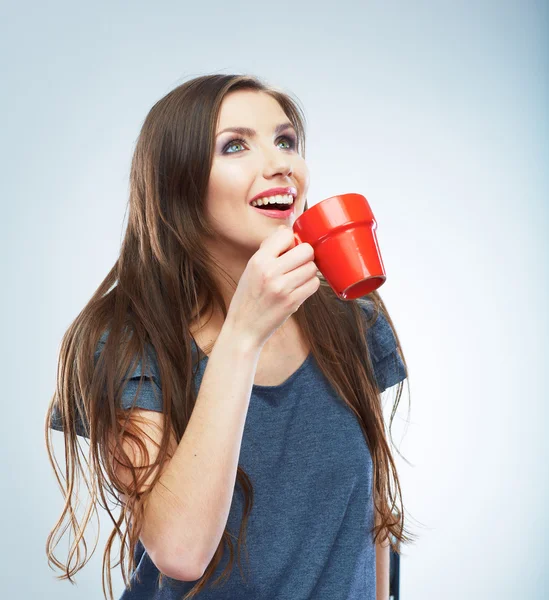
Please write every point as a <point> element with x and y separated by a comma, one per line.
<point>436,112</point>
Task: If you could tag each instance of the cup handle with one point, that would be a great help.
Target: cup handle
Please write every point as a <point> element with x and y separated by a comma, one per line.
<point>296,239</point>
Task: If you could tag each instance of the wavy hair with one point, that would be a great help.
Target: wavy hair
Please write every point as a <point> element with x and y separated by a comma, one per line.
<point>150,297</point>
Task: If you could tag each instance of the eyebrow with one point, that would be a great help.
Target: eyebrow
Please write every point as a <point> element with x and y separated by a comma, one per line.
<point>252,132</point>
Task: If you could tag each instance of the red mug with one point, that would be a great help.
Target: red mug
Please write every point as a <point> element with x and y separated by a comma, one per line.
<point>341,230</point>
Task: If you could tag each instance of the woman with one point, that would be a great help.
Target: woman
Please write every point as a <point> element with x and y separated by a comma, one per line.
<point>226,391</point>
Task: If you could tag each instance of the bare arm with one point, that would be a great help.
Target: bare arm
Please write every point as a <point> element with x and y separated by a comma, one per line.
<point>187,510</point>
<point>202,473</point>
<point>382,570</point>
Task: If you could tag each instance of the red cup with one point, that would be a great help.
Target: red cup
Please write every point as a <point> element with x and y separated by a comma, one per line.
<point>341,230</point>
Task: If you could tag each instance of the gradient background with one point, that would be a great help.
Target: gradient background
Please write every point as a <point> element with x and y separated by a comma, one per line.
<point>437,113</point>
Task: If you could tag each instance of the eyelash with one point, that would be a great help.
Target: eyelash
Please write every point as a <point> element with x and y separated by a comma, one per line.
<point>289,138</point>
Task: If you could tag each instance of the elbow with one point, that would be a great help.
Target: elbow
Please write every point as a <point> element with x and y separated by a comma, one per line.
<point>181,569</point>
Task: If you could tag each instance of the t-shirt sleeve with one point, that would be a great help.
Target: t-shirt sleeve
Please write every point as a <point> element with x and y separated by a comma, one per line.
<point>388,366</point>
<point>148,395</point>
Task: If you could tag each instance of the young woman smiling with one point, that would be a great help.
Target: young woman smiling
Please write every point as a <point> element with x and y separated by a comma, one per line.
<point>226,391</point>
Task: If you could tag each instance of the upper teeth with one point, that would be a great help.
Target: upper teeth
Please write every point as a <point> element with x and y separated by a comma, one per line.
<point>280,199</point>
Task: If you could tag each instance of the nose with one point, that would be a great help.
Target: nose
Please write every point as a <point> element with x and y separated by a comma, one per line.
<point>277,163</point>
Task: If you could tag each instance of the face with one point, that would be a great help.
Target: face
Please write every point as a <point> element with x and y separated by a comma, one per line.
<point>245,168</point>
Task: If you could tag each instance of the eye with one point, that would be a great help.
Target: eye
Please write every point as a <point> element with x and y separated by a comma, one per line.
<point>290,139</point>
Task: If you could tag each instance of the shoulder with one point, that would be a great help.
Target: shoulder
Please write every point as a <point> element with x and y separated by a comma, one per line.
<point>389,369</point>
<point>149,369</point>
<point>380,334</point>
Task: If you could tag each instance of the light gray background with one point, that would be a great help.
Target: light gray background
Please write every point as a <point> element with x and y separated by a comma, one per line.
<point>436,112</point>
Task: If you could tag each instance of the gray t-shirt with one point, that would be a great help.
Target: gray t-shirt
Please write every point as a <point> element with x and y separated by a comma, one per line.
<point>308,534</point>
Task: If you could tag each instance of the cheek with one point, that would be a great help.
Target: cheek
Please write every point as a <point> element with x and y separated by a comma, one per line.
<point>229,180</point>
<point>226,194</point>
<point>302,174</point>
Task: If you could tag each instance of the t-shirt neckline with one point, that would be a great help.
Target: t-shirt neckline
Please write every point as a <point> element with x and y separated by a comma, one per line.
<point>285,383</point>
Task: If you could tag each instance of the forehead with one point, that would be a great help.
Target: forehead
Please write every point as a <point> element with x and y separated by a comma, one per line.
<point>252,108</point>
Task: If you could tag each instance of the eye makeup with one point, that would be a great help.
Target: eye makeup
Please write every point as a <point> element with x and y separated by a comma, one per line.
<point>289,138</point>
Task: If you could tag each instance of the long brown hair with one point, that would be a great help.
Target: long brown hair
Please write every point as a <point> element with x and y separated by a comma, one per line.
<point>150,297</point>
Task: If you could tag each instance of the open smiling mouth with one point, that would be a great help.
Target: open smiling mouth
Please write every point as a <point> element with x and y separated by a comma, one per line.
<point>278,209</point>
